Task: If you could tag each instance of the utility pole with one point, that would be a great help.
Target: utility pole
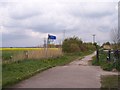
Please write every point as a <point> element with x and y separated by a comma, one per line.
<point>97,50</point>
<point>93,38</point>
<point>64,32</point>
<point>44,43</point>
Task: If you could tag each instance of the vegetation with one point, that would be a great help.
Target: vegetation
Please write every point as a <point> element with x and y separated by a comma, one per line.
<point>104,63</point>
<point>15,54</point>
<point>116,46</point>
<point>107,43</point>
<point>74,44</point>
<point>111,81</point>
<point>19,70</point>
<point>115,36</point>
<point>21,49</point>
<point>6,55</point>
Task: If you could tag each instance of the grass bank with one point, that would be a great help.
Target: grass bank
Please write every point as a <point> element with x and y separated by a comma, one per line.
<point>17,71</point>
<point>110,82</point>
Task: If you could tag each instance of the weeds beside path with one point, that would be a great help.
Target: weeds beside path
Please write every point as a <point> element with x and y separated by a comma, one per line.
<point>110,81</point>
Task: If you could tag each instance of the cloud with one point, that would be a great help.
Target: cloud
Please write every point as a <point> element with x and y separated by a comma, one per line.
<point>29,20</point>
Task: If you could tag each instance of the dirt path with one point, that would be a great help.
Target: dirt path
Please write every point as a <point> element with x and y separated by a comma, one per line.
<point>78,74</point>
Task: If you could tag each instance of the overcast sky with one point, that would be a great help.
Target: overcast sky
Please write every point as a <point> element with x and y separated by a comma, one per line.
<point>28,22</point>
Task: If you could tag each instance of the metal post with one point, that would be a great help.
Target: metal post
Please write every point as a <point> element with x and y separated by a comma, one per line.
<point>118,54</point>
<point>109,55</point>
<point>46,47</point>
<point>97,55</point>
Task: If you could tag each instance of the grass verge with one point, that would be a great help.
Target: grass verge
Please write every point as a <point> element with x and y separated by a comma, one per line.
<point>110,81</point>
<point>106,65</point>
<point>17,71</point>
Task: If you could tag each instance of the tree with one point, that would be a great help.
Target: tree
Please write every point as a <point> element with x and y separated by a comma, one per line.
<point>115,35</point>
<point>74,44</point>
<point>106,43</point>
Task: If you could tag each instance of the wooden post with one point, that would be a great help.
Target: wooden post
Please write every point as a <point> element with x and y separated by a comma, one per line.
<point>26,54</point>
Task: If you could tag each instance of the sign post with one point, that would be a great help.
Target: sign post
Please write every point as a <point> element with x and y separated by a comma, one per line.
<point>50,39</point>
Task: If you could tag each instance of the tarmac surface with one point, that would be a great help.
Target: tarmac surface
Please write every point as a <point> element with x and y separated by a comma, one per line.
<point>77,74</point>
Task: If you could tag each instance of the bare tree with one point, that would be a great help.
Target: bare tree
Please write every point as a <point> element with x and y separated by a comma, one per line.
<point>115,35</point>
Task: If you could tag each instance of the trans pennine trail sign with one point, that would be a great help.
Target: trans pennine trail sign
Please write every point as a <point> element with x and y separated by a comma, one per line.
<point>51,37</point>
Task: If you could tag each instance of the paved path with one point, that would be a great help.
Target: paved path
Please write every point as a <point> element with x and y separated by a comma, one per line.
<point>78,74</point>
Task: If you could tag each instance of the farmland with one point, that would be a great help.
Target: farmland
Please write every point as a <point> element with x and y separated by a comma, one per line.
<point>21,63</point>
<point>16,54</point>
<point>25,60</point>
<point>15,71</point>
<point>22,49</point>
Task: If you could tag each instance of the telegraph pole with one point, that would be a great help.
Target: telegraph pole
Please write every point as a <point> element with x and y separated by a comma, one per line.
<point>97,50</point>
<point>64,32</point>
<point>93,38</point>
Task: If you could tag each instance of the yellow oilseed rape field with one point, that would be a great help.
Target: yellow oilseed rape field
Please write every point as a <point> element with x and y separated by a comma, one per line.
<point>15,54</point>
<point>26,49</point>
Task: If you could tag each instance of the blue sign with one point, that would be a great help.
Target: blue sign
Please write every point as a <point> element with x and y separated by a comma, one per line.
<point>51,37</point>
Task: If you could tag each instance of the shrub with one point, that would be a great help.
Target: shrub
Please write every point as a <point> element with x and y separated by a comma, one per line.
<point>74,44</point>
<point>107,66</point>
<point>6,55</point>
<point>74,47</point>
